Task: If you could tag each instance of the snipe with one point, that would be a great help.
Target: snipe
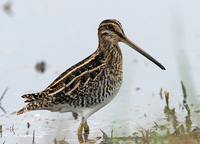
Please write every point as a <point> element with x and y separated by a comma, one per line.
<point>90,84</point>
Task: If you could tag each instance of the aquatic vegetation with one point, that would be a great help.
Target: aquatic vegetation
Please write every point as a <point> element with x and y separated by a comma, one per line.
<point>2,96</point>
<point>182,133</point>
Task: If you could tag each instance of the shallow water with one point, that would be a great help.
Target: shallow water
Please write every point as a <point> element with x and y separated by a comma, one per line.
<point>64,33</point>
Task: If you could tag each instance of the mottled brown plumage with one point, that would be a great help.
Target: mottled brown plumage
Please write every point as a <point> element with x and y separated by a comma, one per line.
<point>90,84</point>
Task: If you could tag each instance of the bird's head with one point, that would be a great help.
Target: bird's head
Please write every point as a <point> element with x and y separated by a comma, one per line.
<point>111,30</point>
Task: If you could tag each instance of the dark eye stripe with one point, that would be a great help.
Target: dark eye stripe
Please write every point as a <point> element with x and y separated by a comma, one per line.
<point>104,34</point>
<point>105,26</point>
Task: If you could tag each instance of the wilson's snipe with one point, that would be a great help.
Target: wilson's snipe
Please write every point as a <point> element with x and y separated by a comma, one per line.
<point>90,84</point>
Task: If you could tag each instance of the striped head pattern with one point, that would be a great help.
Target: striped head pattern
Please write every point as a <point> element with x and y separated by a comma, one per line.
<point>111,30</point>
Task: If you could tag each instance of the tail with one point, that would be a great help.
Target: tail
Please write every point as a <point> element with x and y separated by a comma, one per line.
<point>35,101</point>
<point>21,111</point>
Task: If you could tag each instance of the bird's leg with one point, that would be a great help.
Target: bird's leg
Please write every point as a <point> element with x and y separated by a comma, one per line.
<point>86,127</point>
<point>83,125</point>
<point>80,128</point>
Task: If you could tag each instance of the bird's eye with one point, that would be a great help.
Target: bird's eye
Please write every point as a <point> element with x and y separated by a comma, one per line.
<point>110,26</point>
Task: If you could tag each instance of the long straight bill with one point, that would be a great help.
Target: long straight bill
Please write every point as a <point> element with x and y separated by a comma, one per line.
<point>141,51</point>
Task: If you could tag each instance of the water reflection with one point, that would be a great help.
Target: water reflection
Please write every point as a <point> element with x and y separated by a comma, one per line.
<point>83,138</point>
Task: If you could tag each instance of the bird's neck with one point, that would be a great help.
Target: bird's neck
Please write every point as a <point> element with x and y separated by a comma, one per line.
<point>110,50</point>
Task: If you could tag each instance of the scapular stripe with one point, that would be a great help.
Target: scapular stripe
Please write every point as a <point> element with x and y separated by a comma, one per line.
<point>87,64</point>
<point>82,78</point>
<point>88,68</point>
